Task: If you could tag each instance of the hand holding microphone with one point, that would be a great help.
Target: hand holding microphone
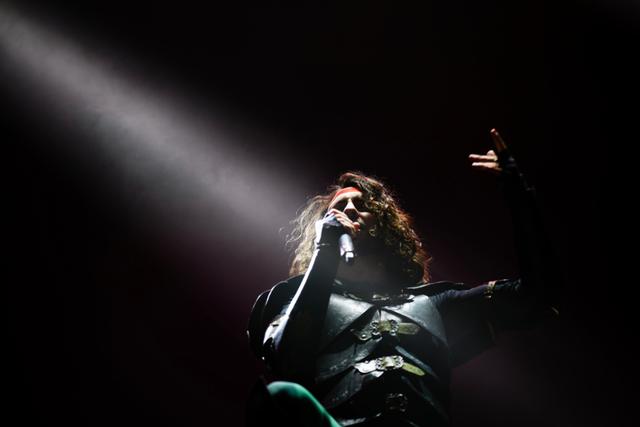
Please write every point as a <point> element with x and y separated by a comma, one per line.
<point>336,229</point>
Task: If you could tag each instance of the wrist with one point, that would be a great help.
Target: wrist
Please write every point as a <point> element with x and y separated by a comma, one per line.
<point>324,245</point>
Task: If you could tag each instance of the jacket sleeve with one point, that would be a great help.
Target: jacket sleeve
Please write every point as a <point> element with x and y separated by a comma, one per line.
<point>540,275</point>
<point>268,307</point>
<point>255,327</point>
<point>473,317</point>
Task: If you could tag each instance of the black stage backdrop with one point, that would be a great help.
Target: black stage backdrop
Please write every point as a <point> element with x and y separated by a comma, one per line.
<point>111,322</point>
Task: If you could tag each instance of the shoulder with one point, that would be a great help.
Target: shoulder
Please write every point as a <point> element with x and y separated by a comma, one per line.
<point>435,288</point>
<point>283,291</point>
<point>277,296</point>
<point>268,305</point>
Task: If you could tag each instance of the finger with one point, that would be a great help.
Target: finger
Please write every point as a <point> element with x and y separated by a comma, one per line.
<point>338,214</point>
<point>328,215</point>
<point>351,229</point>
<point>484,157</point>
<point>341,216</point>
<point>344,220</point>
<point>493,155</point>
<point>492,167</point>
<point>351,226</point>
<point>497,140</point>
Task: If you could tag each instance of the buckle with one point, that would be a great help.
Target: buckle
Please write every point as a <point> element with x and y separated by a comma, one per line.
<point>392,326</point>
<point>375,329</point>
<point>489,290</point>
<point>387,363</point>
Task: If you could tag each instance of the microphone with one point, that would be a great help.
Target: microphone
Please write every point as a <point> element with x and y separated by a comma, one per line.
<point>347,251</point>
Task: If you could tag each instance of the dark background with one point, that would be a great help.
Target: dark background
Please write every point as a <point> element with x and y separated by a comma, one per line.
<point>107,322</point>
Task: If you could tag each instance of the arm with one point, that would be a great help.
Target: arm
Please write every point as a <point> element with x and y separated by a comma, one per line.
<point>537,264</point>
<point>290,341</point>
<point>474,316</point>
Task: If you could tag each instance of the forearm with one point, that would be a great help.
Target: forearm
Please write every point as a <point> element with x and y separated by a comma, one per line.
<point>293,336</point>
<point>537,263</point>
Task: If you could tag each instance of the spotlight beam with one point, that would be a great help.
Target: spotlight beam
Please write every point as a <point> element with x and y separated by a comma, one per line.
<point>170,159</point>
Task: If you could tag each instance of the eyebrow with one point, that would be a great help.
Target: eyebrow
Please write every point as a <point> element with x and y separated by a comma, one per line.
<point>355,197</point>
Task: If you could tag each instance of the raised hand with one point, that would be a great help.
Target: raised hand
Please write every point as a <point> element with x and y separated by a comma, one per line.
<point>486,162</point>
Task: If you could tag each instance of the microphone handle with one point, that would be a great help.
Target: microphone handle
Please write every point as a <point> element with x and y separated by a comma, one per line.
<point>347,251</point>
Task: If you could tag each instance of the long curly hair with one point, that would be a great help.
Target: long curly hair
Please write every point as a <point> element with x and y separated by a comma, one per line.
<point>405,256</point>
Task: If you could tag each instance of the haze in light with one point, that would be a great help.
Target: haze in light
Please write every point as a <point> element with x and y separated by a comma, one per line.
<point>172,160</point>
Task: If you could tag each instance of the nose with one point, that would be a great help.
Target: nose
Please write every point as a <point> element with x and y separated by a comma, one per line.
<point>351,211</point>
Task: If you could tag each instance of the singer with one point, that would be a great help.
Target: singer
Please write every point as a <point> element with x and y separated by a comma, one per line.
<point>359,335</point>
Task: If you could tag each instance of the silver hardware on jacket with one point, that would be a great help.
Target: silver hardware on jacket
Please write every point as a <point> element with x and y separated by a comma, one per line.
<point>387,363</point>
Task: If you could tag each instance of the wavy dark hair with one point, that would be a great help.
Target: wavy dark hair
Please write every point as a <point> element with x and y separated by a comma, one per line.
<point>406,258</point>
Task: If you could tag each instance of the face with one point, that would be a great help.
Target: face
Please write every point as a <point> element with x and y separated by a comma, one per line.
<point>350,202</point>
